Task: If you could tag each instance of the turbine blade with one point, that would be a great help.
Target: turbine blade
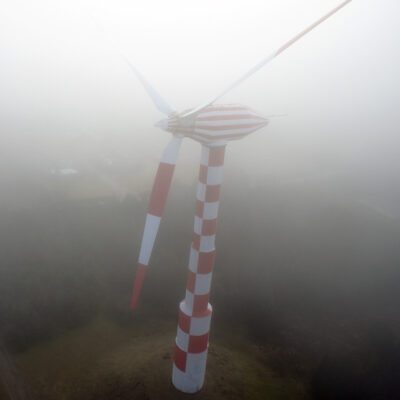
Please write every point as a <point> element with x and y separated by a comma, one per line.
<point>157,99</point>
<point>268,59</point>
<point>158,199</point>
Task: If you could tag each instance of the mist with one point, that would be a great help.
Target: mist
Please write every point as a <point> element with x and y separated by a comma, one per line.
<point>306,283</point>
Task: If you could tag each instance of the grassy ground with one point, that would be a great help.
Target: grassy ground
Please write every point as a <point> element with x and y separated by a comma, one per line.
<point>105,360</point>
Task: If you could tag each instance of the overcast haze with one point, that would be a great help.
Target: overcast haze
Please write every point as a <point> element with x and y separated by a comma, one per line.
<point>61,79</point>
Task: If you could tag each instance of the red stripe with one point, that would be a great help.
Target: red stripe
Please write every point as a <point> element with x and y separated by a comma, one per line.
<point>200,303</point>
<point>137,286</point>
<point>180,358</point>
<point>212,193</point>
<point>199,208</point>
<point>184,322</point>
<point>310,28</point>
<point>209,227</point>
<point>203,174</point>
<point>160,190</point>
<point>216,157</point>
<point>196,241</point>
<point>191,281</point>
<point>206,262</point>
<point>198,344</point>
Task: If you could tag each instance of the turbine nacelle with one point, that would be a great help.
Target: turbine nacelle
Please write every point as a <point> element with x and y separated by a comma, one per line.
<point>215,123</point>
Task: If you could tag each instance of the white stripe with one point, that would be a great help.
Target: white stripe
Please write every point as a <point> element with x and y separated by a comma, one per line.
<point>201,325</point>
<point>216,143</point>
<point>198,225</point>
<point>215,175</point>
<point>210,210</point>
<point>205,155</point>
<point>186,383</point>
<point>227,132</point>
<point>180,381</point>
<point>171,152</point>
<point>207,243</point>
<point>189,300</point>
<point>211,142</point>
<point>203,283</point>
<point>149,236</point>
<point>193,260</point>
<point>182,340</point>
<point>196,365</point>
<point>201,191</point>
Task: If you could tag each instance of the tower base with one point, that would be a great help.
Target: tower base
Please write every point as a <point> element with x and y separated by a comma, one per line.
<point>192,380</point>
<point>191,348</point>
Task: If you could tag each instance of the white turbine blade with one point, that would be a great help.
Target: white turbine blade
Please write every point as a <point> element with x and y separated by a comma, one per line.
<point>158,199</point>
<point>267,59</point>
<point>158,101</point>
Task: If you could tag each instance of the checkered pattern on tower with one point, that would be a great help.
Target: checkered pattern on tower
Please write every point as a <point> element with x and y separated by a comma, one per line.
<point>195,311</point>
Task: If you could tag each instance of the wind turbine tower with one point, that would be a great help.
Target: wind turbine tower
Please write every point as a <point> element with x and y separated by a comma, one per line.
<point>213,126</point>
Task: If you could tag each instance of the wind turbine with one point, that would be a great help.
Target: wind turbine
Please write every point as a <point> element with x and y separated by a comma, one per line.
<point>213,126</point>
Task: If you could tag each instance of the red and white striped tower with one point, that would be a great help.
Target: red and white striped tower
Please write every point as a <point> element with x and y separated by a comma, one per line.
<point>191,344</point>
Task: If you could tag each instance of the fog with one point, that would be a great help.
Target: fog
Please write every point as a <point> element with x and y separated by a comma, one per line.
<point>309,221</point>
<point>62,81</point>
